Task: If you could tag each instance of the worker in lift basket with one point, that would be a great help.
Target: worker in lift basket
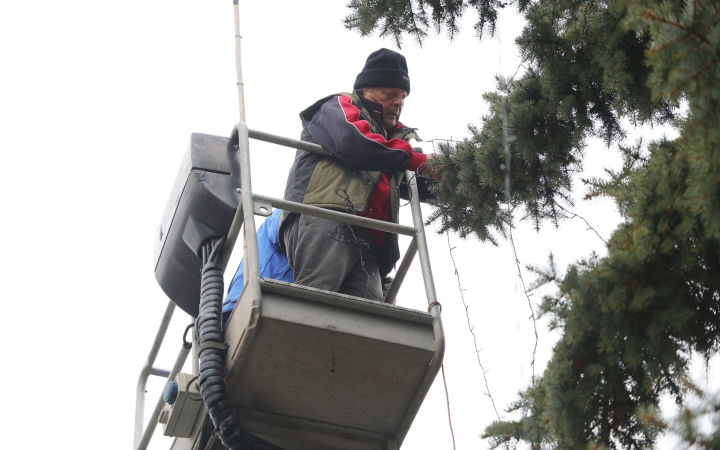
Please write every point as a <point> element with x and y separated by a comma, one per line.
<point>331,255</point>
<point>370,154</point>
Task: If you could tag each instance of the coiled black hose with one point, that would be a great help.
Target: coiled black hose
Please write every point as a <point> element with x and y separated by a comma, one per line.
<point>210,340</point>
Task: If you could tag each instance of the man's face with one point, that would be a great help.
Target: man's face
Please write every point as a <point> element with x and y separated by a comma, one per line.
<point>392,101</point>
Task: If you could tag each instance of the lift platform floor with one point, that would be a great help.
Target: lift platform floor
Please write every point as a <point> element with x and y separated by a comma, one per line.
<point>311,369</point>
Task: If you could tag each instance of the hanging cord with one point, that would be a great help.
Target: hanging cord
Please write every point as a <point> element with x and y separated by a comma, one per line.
<point>472,329</point>
<point>442,367</point>
<point>187,344</point>
<point>355,243</point>
<point>507,139</point>
<point>187,389</point>
<point>527,296</point>
<point>504,85</point>
<point>211,348</point>
<point>447,399</point>
<point>574,215</point>
<point>351,239</point>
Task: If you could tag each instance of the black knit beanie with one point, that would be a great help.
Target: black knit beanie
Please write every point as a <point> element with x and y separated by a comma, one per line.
<point>384,68</point>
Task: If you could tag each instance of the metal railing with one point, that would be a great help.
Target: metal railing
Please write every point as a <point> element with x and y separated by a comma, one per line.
<point>143,435</point>
<point>252,204</point>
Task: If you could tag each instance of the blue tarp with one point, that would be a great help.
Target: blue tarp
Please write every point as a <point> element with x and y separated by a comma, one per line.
<point>273,263</point>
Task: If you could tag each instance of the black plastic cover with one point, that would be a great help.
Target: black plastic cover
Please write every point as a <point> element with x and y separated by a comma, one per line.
<point>202,205</point>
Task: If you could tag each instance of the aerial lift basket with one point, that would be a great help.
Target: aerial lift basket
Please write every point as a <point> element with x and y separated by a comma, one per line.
<point>305,368</point>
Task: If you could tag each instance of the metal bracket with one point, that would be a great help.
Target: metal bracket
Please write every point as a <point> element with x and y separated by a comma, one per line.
<point>215,345</point>
<point>262,208</point>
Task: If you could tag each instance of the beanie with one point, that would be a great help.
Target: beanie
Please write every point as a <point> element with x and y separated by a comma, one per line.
<point>384,68</point>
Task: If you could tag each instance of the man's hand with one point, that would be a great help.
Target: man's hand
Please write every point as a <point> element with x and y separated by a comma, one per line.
<point>429,168</point>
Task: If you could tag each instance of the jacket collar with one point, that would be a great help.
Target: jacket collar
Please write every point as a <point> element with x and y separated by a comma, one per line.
<point>377,109</point>
<point>371,108</point>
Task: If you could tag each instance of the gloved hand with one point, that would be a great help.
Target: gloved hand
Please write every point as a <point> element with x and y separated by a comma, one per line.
<point>429,168</point>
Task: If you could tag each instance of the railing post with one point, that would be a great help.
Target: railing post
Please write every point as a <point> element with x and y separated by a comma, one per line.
<point>420,240</point>
<point>438,334</point>
<point>251,261</point>
<point>147,370</point>
<point>146,434</point>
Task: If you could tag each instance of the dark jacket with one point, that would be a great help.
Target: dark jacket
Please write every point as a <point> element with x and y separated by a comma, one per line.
<point>351,129</point>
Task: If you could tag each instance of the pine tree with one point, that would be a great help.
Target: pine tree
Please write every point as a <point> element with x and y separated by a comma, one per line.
<point>630,320</point>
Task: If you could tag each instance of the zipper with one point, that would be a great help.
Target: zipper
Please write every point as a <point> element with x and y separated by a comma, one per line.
<point>371,190</point>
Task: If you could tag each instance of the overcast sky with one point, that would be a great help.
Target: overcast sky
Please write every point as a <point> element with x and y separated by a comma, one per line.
<point>97,104</point>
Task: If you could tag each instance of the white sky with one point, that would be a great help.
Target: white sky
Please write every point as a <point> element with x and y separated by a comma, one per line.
<point>97,103</point>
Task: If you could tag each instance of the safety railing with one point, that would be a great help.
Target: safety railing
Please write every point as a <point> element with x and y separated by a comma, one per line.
<point>143,435</point>
<point>252,204</point>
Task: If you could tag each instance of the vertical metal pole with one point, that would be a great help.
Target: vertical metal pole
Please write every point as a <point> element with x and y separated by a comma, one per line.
<point>241,106</point>
<point>147,369</point>
<point>438,334</point>
<point>421,242</point>
<point>251,255</point>
<point>401,272</point>
<point>238,62</point>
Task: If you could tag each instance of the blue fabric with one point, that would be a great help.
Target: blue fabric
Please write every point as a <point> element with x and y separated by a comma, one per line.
<point>273,263</point>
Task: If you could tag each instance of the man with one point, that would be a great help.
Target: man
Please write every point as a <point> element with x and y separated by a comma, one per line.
<point>371,153</point>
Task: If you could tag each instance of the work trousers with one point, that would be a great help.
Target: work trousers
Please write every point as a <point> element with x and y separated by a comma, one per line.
<point>330,255</point>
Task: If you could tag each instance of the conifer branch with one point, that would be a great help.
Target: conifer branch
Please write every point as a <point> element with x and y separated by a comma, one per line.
<point>650,15</point>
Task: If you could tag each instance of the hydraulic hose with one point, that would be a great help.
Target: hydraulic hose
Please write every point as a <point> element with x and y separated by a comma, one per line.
<point>210,342</point>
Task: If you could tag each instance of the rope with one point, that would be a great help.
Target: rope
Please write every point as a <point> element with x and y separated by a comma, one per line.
<point>447,399</point>
<point>447,395</point>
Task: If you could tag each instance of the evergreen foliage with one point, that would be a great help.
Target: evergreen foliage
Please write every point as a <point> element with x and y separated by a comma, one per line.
<point>395,17</point>
<point>629,320</point>
<point>697,426</point>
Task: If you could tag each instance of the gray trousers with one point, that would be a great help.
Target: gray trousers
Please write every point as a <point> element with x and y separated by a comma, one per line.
<point>330,255</point>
